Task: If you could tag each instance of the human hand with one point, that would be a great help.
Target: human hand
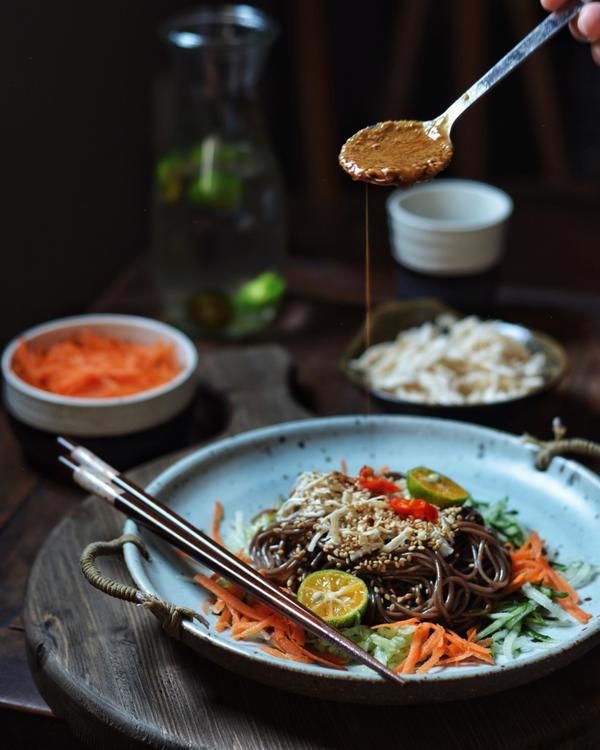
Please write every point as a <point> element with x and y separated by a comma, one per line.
<point>585,27</point>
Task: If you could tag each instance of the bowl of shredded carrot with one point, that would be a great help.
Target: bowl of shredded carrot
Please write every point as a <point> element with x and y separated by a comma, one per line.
<point>99,375</point>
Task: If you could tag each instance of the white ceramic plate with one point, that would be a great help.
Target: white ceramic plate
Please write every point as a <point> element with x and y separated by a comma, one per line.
<point>250,471</point>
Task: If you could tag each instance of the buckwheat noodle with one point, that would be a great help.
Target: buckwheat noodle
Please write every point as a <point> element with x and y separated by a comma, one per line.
<point>455,591</point>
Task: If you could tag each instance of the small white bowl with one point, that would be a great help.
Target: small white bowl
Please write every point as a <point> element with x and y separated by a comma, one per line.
<point>94,417</point>
<point>448,227</point>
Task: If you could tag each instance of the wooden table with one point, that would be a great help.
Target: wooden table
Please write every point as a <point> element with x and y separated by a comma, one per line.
<point>315,327</point>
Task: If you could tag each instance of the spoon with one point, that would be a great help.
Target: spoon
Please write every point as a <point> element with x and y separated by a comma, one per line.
<point>403,152</point>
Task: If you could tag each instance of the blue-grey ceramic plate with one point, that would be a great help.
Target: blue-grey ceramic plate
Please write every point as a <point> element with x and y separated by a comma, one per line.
<point>248,472</point>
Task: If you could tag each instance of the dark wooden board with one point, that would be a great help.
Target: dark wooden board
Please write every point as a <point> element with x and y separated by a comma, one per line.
<point>120,682</point>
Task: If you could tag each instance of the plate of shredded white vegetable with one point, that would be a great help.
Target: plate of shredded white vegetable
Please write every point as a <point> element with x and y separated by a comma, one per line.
<point>449,361</point>
<point>478,571</point>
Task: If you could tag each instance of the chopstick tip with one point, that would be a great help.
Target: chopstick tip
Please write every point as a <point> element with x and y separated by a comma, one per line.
<point>65,443</point>
<point>67,463</point>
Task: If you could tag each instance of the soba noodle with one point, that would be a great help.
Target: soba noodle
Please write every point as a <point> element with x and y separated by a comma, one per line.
<point>455,590</point>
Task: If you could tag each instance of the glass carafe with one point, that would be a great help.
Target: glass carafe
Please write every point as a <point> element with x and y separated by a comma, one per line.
<point>219,223</point>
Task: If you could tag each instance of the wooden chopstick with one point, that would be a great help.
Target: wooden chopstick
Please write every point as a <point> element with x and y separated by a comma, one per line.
<point>101,479</point>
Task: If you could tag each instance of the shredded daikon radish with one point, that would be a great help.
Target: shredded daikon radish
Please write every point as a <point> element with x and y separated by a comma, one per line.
<point>452,362</point>
<point>349,517</point>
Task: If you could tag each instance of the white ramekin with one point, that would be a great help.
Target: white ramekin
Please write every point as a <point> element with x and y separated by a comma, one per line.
<point>94,417</point>
<point>448,227</point>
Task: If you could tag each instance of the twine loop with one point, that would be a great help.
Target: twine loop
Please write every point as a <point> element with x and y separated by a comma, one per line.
<point>171,616</point>
<point>561,444</point>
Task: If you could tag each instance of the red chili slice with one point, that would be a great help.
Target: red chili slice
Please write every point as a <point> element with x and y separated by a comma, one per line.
<point>417,508</point>
<point>377,485</point>
<point>401,505</point>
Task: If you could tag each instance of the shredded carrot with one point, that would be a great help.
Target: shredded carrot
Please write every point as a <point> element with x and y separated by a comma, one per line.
<point>472,634</point>
<point>215,529</point>
<point>276,652</point>
<point>398,624</point>
<point>248,618</point>
<point>529,565</point>
<point>233,602</point>
<point>467,655</point>
<point>433,645</point>
<point>91,365</point>
<point>241,555</point>
<point>432,641</point>
<point>414,652</point>
<point>288,647</point>
<point>224,621</point>
<point>460,646</point>
<point>249,629</point>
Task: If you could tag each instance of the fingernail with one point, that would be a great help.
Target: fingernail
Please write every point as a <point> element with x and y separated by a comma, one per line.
<point>584,19</point>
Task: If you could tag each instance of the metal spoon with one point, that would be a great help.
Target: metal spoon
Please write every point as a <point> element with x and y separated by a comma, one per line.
<point>428,143</point>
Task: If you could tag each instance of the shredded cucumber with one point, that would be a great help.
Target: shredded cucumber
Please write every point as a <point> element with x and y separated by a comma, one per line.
<point>499,517</point>
<point>509,646</point>
<point>578,573</point>
<point>543,599</point>
<point>513,627</point>
<point>388,645</point>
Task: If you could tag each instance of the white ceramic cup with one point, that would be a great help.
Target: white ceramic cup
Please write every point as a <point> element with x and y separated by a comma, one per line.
<point>448,227</point>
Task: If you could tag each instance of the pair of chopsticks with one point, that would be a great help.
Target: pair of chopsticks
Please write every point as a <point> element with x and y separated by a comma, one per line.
<point>96,476</point>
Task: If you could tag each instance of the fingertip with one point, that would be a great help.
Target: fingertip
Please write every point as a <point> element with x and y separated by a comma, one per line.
<point>596,53</point>
<point>551,5</point>
<point>573,28</point>
<point>588,22</point>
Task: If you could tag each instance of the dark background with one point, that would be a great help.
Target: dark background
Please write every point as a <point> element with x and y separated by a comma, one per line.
<point>85,104</point>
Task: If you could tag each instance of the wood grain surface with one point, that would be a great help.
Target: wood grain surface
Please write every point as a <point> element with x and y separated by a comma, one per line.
<point>108,669</point>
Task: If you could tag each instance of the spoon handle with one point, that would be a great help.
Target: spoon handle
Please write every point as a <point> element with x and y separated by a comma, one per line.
<point>540,34</point>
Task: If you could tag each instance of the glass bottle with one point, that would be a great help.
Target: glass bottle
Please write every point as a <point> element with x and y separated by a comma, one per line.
<point>219,222</point>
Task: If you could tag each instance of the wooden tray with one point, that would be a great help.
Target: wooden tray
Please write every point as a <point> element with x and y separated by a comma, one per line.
<point>120,682</point>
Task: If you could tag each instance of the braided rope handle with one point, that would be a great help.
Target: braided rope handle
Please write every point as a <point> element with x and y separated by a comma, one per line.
<point>170,616</point>
<point>560,444</point>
